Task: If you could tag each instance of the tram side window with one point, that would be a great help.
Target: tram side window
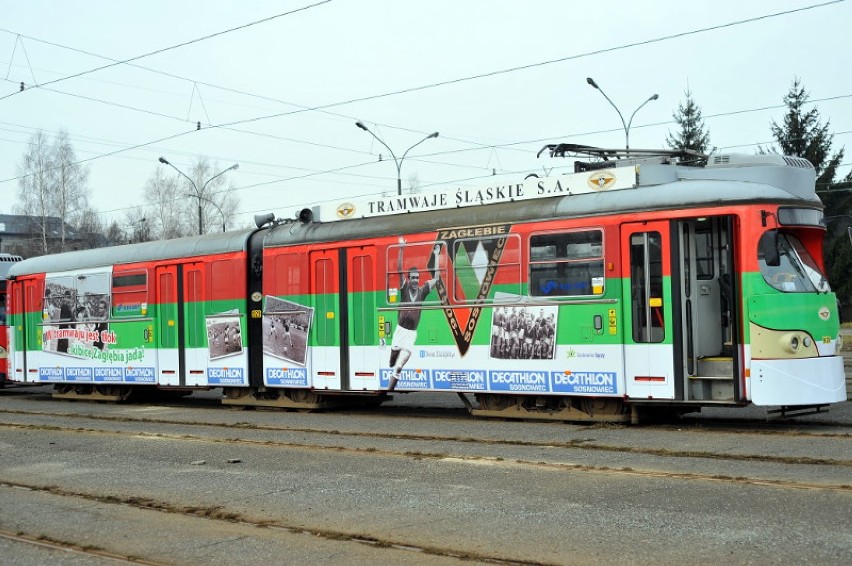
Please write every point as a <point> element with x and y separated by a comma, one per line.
<point>475,270</point>
<point>79,298</point>
<point>646,282</point>
<point>58,299</point>
<point>567,264</point>
<point>411,268</point>
<point>129,294</point>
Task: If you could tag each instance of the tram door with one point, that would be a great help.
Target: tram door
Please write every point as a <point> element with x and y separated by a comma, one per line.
<point>168,327</point>
<point>343,284</point>
<point>24,364</point>
<point>705,297</point>
<point>166,332</point>
<point>362,331</point>
<point>195,341</point>
<point>648,341</point>
<point>326,355</point>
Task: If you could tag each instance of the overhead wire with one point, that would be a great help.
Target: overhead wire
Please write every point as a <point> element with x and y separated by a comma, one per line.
<point>176,46</point>
<point>229,125</point>
<point>456,80</point>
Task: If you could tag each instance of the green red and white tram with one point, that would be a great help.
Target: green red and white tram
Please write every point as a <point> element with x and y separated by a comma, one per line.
<point>640,283</point>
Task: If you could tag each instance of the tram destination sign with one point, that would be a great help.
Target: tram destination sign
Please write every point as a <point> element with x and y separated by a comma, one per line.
<point>527,189</point>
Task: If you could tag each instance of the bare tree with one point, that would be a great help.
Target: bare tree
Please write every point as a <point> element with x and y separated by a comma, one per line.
<point>139,227</point>
<point>53,191</point>
<point>215,197</point>
<point>34,186</point>
<point>90,229</point>
<point>414,183</point>
<point>114,235</point>
<point>165,216</point>
<point>69,190</point>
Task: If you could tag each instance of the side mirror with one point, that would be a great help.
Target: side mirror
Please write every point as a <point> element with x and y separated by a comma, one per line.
<point>769,248</point>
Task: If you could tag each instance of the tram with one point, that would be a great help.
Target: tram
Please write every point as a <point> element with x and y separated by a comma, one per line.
<point>642,282</point>
<point>6,261</point>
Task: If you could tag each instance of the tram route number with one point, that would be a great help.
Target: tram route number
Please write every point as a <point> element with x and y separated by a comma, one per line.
<point>256,313</point>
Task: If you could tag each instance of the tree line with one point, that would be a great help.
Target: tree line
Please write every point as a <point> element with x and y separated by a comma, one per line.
<point>55,198</point>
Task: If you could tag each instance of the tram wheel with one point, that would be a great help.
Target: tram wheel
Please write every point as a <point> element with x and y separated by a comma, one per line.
<point>602,406</point>
<point>235,392</point>
<point>303,396</point>
<point>492,402</point>
<point>120,393</point>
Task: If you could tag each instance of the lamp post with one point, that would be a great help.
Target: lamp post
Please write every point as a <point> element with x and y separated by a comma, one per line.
<point>205,199</point>
<point>626,126</point>
<point>399,161</point>
<point>198,193</point>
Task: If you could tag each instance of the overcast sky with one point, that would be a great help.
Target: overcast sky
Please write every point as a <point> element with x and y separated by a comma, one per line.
<point>498,79</point>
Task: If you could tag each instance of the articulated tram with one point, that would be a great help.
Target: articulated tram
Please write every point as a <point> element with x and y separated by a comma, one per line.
<point>641,282</point>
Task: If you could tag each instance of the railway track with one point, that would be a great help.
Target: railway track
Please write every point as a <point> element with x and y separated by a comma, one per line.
<point>43,542</point>
<point>597,449</point>
<point>261,475</point>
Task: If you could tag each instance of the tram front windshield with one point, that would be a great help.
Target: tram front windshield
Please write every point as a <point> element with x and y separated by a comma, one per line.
<point>797,271</point>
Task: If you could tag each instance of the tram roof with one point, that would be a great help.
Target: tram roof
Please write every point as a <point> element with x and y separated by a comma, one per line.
<point>635,186</point>
<point>192,246</point>
<point>645,187</point>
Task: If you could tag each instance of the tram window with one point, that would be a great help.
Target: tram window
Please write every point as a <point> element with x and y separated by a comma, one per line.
<point>704,252</point>
<point>58,299</point>
<point>129,280</point>
<point>129,293</point>
<point>80,298</point>
<point>415,263</point>
<point>796,272</point>
<point>646,281</point>
<point>567,264</point>
<point>800,216</point>
<point>475,263</point>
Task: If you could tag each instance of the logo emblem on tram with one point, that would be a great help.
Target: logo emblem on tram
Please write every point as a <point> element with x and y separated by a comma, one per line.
<point>476,260</point>
<point>824,313</point>
<point>601,180</point>
<point>345,210</point>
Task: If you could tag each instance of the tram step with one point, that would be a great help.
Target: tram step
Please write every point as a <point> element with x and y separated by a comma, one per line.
<point>715,368</point>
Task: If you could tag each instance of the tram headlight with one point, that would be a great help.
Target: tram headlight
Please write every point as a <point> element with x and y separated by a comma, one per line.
<point>806,342</point>
<point>794,343</point>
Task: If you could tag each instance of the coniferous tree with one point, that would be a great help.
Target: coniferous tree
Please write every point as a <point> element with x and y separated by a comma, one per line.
<point>803,134</point>
<point>693,133</point>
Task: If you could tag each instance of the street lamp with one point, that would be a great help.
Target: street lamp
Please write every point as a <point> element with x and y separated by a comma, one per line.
<point>626,126</point>
<point>205,199</point>
<point>198,193</point>
<point>398,162</point>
